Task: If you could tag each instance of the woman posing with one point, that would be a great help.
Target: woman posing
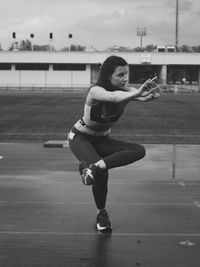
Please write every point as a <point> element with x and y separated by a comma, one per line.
<point>89,138</point>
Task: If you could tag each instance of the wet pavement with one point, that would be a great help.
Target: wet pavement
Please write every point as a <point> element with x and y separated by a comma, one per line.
<point>48,216</point>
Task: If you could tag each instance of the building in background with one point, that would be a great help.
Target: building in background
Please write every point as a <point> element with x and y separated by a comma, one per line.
<point>77,70</point>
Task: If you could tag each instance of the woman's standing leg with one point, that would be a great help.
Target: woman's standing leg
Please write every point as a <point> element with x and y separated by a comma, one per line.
<point>100,189</point>
<point>84,151</point>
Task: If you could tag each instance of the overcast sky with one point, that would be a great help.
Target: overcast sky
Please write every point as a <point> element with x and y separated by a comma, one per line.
<point>99,23</point>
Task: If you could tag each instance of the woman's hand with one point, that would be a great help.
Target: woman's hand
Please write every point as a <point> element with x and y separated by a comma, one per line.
<point>149,87</point>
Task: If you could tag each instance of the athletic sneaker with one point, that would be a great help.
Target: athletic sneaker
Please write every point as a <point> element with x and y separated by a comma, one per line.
<point>87,173</point>
<point>103,223</point>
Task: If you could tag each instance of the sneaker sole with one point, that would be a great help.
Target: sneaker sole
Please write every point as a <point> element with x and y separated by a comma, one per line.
<point>100,228</point>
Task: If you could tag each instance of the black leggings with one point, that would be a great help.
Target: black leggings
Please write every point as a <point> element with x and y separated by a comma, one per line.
<point>115,153</point>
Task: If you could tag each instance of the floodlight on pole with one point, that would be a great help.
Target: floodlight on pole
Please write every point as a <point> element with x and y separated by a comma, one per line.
<point>51,39</point>
<point>14,37</point>
<point>141,32</point>
<point>69,37</point>
<point>32,37</point>
<point>176,31</point>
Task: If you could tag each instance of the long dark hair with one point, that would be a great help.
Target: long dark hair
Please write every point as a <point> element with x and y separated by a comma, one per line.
<point>107,69</point>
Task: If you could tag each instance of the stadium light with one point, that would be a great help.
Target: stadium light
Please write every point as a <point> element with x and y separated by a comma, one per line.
<point>70,37</point>
<point>141,32</point>
<point>15,44</point>
<point>176,30</point>
<point>32,36</point>
<point>51,39</point>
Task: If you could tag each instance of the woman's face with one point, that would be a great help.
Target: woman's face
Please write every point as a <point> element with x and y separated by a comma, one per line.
<point>119,77</point>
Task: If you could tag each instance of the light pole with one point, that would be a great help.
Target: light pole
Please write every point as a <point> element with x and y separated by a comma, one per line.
<point>15,44</point>
<point>176,31</point>
<point>32,37</point>
<point>51,39</point>
<point>69,37</point>
<point>141,32</point>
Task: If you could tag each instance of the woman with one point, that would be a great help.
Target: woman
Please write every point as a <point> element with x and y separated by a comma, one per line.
<point>89,138</point>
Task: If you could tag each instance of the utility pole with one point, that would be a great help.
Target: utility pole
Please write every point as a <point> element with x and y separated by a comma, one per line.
<point>176,36</point>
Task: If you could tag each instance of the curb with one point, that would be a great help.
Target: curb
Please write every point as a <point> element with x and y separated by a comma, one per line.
<point>56,143</point>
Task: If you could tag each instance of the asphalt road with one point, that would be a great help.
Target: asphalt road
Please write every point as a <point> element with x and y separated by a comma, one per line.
<point>47,215</point>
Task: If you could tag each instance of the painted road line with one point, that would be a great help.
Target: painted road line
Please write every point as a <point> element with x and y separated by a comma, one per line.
<point>34,202</point>
<point>94,234</point>
<point>56,143</point>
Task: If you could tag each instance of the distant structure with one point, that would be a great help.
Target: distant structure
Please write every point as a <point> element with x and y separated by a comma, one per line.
<point>166,48</point>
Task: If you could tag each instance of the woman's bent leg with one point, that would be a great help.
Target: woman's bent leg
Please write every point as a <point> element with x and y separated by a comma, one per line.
<point>117,153</point>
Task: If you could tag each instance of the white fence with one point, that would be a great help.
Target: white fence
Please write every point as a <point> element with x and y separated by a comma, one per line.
<point>175,89</point>
<point>180,89</point>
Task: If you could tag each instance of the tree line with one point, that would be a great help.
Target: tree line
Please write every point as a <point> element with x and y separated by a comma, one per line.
<point>26,45</point>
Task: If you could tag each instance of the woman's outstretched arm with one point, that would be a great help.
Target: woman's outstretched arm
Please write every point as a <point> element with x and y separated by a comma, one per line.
<point>100,94</point>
